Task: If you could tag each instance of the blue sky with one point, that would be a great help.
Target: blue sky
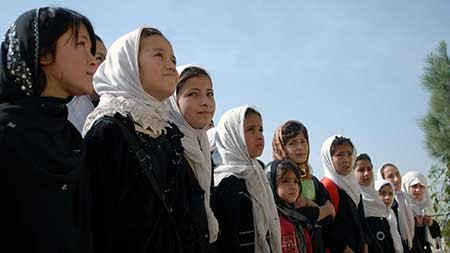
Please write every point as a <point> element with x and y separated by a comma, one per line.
<point>348,67</point>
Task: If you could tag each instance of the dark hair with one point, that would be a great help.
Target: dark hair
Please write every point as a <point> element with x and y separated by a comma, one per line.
<point>188,73</point>
<point>291,129</point>
<point>284,167</point>
<point>150,31</point>
<point>384,167</point>
<point>53,23</point>
<point>251,111</point>
<point>97,38</point>
<point>339,140</point>
<point>363,156</point>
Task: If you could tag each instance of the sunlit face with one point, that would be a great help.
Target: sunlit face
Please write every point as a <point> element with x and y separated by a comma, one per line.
<point>100,53</point>
<point>297,149</point>
<point>387,195</point>
<point>196,101</point>
<point>69,72</point>
<point>363,172</point>
<point>288,189</point>
<point>253,133</point>
<point>392,175</point>
<point>343,158</point>
<point>417,191</point>
<point>157,70</point>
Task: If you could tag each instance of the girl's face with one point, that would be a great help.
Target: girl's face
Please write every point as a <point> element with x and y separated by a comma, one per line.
<point>363,172</point>
<point>196,101</point>
<point>100,53</point>
<point>417,191</point>
<point>288,189</point>
<point>69,72</point>
<point>157,70</point>
<point>387,195</point>
<point>343,158</point>
<point>253,133</point>
<point>297,149</point>
<point>392,175</point>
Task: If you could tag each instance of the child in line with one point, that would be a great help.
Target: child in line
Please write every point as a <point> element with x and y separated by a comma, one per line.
<point>386,192</point>
<point>284,178</point>
<point>243,200</point>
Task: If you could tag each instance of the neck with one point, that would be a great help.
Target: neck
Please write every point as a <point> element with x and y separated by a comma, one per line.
<point>53,90</point>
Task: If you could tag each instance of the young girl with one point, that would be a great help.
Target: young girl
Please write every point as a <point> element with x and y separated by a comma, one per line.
<point>135,156</point>
<point>243,201</point>
<point>386,194</point>
<point>346,233</point>
<point>426,229</point>
<point>284,178</point>
<point>374,208</point>
<point>401,205</point>
<point>46,57</point>
<point>291,141</point>
<point>192,107</point>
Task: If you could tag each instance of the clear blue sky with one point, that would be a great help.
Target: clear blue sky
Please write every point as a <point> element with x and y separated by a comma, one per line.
<point>349,67</point>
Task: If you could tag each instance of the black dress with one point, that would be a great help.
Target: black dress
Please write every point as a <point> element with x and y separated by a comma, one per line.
<point>347,228</point>
<point>420,243</point>
<point>232,207</point>
<point>380,235</point>
<point>45,207</point>
<point>129,216</point>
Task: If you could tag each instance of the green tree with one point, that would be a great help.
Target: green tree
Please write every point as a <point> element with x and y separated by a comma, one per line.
<point>436,125</point>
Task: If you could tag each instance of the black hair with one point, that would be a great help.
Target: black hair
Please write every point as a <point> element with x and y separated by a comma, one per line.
<point>188,73</point>
<point>363,156</point>
<point>339,140</point>
<point>384,167</point>
<point>53,23</point>
<point>284,167</point>
<point>291,129</point>
<point>97,38</point>
<point>251,111</point>
<point>150,31</point>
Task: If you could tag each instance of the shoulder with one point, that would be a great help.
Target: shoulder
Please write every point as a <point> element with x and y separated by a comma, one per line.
<point>231,185</point>
<point>109,127</point>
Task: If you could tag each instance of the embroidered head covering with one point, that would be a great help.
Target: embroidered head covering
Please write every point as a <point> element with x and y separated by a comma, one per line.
<point>391,216</point>
<point>234,159</point>
<point>117,81</point>
<point>279,142</point>
<point>197,151</point>
<point>405,214</point>
<point>347,183</point>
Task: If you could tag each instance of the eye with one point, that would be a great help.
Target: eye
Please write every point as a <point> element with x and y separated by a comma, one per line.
<point>81,43</point>
<point>296,181</point>
<point>158,55</point>
<point>210,94</point>
<point>261,130</point>
<point>192,93</point>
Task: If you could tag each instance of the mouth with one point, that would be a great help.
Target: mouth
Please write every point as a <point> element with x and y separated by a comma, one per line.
<point>90,74</point>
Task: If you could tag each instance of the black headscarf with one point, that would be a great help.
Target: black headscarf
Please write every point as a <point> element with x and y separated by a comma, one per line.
<point>288,210</point>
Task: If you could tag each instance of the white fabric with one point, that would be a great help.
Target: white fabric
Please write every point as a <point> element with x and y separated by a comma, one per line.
<point>419,207</point>
<point>118,84</point>
<point>235,160</point>
<point>347,183</point>
<point>391,217</point>
<point>373,205</point>
<point>78,110</point>
<point>405,215</point>
<point>196,150</point>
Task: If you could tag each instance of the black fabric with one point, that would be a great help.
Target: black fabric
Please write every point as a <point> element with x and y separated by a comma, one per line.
<point>420,243</point>
<point>381,238</point>
<point>128,215</point>
<point>46,208</point>
<point>347,229</point>
<point>288,211</point>
<point>232,206</point>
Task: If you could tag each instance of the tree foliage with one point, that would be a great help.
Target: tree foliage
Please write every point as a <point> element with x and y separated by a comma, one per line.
<point>436,124</point>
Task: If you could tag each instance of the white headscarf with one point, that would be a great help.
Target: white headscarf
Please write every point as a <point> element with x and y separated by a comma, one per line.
<point>391,217</point>
<point>347,183</point>
<point>419,207</point>
<point>117,81</point>
<point>235,160</point>
<point>197,151</point>
<point>405,215</point>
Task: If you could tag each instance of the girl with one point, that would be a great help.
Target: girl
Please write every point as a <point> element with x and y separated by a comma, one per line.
<point>386,194</point>
<point>401,205</point>
<point>346,233</point>
<point>284,178</point>
<point>374,208</point>
<point>135,155</point>
<point>291,141</point>
<point>426,229</point>
<point>192,107</point>
<point>46,57</point>
<point>80,106</point>
<point>243,201</point>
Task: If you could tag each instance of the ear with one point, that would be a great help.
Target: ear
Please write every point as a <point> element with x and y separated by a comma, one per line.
<point>46,60</point>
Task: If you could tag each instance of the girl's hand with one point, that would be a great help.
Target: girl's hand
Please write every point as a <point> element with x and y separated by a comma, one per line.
<point>419,221</point>
<point>301,202</point>
<point>330,208</point>
<point>366,248</point>
<point>427,221</point>
<point>347,250</point>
